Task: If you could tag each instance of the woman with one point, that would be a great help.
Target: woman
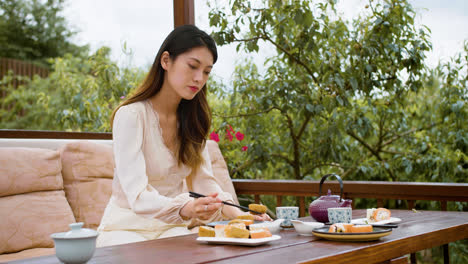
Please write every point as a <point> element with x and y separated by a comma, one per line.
<point>159,136</point>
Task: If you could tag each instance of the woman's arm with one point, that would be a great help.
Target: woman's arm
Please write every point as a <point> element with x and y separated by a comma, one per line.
<point>204,182</point>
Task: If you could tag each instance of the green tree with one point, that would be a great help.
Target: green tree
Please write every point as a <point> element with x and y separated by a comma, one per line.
<point>35,30</point>
<point>339,96</point>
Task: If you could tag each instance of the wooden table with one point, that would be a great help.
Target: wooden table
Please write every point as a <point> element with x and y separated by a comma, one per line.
<point>417,231</point>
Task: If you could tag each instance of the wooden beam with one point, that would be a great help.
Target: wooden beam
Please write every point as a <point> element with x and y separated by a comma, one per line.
<point>357,189</point>
<point>184,12</point>
<point>8,133</point>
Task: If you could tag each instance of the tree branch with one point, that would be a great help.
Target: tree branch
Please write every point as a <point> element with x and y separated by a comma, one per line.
<point>290,162</point>
<point>333,164</point>
<point>248,39</point>
<point>374,152</point>
<point>244,165</point>
<point>398,136</point>
<point>304,125</point>
<point>309,70</point>
<point>248,114</point>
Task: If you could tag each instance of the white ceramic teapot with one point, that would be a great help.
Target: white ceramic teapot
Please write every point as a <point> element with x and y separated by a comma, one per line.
<point>75,246</point>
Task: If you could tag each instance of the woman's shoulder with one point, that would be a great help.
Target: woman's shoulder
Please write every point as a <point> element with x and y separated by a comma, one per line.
<point>133,108</point>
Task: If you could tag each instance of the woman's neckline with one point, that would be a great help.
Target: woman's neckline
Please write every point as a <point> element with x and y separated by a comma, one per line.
<point>158,124</point>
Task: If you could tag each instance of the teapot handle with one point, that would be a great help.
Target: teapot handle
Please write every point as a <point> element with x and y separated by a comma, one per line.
<point>338,178</point>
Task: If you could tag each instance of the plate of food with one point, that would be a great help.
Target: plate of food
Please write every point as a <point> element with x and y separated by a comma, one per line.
<point>247,219</point>
<point>376,216</point>
<point>238,241</point>
<point>236,233</point>
<point>227,222</point>
<point>351,232</point>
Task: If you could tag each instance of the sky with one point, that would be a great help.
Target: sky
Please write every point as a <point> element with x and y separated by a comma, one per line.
<point>140,27</point>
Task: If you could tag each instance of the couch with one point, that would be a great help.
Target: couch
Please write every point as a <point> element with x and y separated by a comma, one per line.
<point>46,184</point>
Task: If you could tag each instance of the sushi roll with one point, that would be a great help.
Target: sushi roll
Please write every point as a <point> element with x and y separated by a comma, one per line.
<point>361,228</point>
<point>379,214</point>
<point>337,228</point>
<point>260,233</point>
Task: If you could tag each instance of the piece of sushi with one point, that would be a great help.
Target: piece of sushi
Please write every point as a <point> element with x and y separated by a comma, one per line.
<point>219,230</point>
<point>244,221</point>
<point>377,214</point>
<point>206,231</point>
<point>258,208</point>
<point>361,228</point>
<point>260,233</point>
<point>234,231</point>
<point>246,217</point>
<point>337,228</point>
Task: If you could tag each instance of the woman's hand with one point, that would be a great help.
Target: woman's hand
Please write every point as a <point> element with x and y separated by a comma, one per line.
<point>262,217</point>
<point>201,208</point>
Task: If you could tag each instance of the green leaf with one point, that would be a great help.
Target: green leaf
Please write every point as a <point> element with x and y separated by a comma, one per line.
<point>354,83</point>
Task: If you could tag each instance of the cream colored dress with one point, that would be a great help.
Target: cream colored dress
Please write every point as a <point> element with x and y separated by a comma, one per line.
<point>149,188</point>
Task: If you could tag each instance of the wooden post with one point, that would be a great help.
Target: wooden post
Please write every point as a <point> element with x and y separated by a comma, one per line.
<point>279,200</point>
<point>257,198</point>
<point>184,12</point>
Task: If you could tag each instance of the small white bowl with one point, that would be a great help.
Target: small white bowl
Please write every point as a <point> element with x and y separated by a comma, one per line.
<point>273,226</point>
<point>305,228</point>
<point>76,246</point>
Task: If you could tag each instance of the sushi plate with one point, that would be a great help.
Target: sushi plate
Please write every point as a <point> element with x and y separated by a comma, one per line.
<point>365,236</point>
<point>213,224</point>
<point>238,241</point>
<point>364,221</point>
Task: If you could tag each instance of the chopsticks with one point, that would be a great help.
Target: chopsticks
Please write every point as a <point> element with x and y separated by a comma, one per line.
<point>197,195</point>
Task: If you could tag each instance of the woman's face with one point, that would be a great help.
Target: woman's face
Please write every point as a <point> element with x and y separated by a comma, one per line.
<point>188,73</point>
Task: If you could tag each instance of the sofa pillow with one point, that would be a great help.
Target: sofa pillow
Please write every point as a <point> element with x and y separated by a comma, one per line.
<point>87,169</point>
<point>28,220</point>
<point>24,170</point>
<point>220,170</point>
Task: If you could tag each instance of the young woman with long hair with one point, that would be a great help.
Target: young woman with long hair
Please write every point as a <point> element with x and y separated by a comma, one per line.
<point>159,136</point>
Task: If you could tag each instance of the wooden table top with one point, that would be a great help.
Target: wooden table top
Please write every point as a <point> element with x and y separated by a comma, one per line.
<point>417,231</point>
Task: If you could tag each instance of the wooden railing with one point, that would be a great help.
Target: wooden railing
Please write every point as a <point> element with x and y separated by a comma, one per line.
<point>381,191</point>
<point>21,68</point>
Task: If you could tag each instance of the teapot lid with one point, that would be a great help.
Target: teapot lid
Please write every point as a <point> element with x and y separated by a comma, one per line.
<point>76,232</point>
<point>329,196</point>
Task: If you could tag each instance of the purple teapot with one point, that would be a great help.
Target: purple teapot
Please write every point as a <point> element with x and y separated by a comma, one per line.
<point>318,209</point>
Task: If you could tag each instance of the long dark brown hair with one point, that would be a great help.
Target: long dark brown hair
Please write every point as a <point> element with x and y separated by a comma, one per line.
<point>193,116</point>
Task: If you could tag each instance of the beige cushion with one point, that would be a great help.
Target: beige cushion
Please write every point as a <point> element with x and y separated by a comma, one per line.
<point>24,170</point>
<point>28,220</point>
<point>32,201</point>
<point>220,169</point>
<point>88,170</point>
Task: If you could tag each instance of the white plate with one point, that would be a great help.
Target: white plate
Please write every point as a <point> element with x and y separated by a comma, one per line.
<point>238,241</point>
<point>363,221</point>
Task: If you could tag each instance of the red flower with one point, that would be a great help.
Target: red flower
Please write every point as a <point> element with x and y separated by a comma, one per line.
<point>230,128</point>
<point>239,136</point>
<point>214,136</point>
<point>229,136</point>
<point>245,148</point>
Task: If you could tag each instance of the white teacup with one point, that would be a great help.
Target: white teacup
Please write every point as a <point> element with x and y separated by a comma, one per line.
<point>339,215</point>
<point>287,213</point>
